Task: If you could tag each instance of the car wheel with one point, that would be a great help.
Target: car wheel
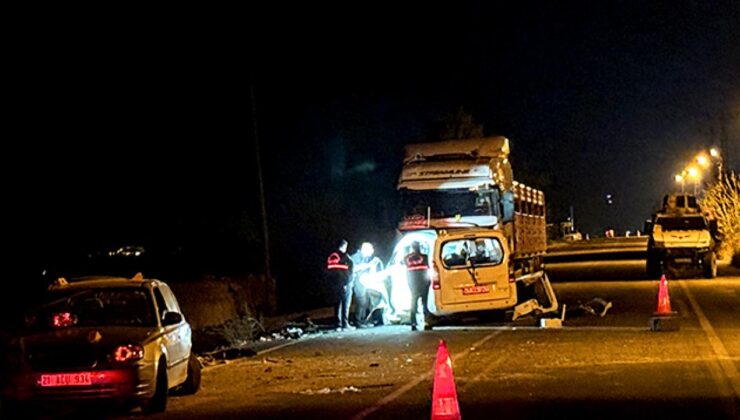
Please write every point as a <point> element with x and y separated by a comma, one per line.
<point>158,402</point>
<point>710,265</point>
<point>192,384</point>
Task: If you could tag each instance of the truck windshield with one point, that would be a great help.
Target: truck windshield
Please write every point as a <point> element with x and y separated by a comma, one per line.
<point>447,203</point>
<point>682,223</point>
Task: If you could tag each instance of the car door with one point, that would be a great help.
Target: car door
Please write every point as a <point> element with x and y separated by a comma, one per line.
<point>183,328</point>
<point>172,333</point>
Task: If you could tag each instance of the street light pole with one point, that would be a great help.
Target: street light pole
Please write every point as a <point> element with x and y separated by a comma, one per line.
<point>263,205</point>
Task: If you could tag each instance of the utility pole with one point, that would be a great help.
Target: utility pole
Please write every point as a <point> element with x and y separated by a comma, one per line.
<point>263,204</point>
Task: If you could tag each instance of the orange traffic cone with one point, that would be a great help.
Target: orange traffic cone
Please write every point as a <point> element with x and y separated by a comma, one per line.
<point>664,298</point>
<point>664,319</point>
<point>444,395</point>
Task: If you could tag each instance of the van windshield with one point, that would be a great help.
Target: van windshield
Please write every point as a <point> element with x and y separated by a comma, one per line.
<point>471,252</point>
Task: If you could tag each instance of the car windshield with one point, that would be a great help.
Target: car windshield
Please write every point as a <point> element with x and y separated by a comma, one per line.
<point>94,307</point>
<point>472,251</point>
<point>682,223</point>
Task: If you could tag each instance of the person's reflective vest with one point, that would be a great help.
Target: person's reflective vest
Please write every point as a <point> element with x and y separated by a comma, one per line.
<point>334,262</point>
<point>416,262</point>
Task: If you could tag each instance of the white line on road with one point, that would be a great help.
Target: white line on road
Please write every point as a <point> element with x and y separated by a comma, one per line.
<point>719,349</point>
<point>411,384</point>
<point>533,328</point>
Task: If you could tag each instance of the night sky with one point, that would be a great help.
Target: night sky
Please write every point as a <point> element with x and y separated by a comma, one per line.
<point>138,128</point>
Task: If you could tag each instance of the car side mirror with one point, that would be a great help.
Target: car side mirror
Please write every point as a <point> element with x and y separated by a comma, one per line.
<point>171,318</point>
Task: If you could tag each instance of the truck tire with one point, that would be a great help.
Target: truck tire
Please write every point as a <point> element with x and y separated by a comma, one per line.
<point>710,265</point>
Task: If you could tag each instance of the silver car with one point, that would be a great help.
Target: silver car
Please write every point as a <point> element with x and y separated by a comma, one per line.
<point>116,340</point>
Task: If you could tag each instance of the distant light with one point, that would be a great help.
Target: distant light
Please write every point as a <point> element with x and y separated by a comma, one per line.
<point>714,152</point>
<point>693,172</point>
<point>702,160</point>
<point>679,178</point>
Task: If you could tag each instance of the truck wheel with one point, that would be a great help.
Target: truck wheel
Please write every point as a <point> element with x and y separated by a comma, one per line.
<point>710,265</point>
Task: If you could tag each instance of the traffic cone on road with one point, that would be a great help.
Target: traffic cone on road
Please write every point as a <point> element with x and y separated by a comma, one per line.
<point>444,396</point>
<point>664,319</point>
<point>664,298</point>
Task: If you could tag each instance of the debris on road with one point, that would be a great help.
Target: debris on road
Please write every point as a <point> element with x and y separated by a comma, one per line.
<point>325,391</point>
<point>596,306</point>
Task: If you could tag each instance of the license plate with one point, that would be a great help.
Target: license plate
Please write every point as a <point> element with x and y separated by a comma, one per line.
<point>683,260</point>
<point>66,379</point>
<point>475,290</point>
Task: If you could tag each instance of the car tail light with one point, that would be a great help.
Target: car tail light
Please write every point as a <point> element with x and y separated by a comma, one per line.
<point>127,353</point>
<point>63,319</point>
<point>435,277</point>
<point>512,278</point>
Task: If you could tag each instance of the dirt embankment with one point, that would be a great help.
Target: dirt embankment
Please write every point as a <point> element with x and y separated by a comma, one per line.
<point>224,311</point>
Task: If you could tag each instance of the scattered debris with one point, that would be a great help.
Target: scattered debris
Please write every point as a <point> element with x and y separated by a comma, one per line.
<point>327,390</point>
<point>374,364</point>
<point>269,360</point>
<point>596,306</point>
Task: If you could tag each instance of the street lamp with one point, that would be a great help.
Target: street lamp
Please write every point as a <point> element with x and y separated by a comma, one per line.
<point>680,180</point>
<point>702,160</point>
<point>694,174</point>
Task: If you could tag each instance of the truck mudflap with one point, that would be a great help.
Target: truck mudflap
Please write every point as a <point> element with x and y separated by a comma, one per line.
<point>544,301</point>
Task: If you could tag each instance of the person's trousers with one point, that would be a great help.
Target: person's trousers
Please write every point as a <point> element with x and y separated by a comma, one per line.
<point>345,300</point>
<point>419,286</point>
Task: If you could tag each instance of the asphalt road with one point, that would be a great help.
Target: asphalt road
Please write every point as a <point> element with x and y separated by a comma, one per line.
<point>594,367</point>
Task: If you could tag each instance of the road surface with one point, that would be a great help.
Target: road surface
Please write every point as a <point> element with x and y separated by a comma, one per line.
<point>610,367</point>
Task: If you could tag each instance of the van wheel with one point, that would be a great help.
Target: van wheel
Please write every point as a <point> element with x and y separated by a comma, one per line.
<point>192,384</point>
<point>158,402</point>
<point>710,265</point>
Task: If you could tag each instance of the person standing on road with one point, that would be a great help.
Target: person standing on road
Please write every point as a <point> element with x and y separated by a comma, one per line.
<point>365,264</point>
<point>417,266</point>
<point>339,269</point>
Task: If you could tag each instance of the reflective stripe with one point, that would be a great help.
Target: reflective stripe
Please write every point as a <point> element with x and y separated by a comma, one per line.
<point>337,267</point>
<point>418,267</point>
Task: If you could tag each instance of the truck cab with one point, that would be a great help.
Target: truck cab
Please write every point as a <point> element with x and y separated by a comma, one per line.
<point>680,237</point>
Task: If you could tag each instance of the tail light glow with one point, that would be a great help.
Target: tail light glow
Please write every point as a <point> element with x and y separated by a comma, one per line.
<point>63,319</point>
<point>127,353</point>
